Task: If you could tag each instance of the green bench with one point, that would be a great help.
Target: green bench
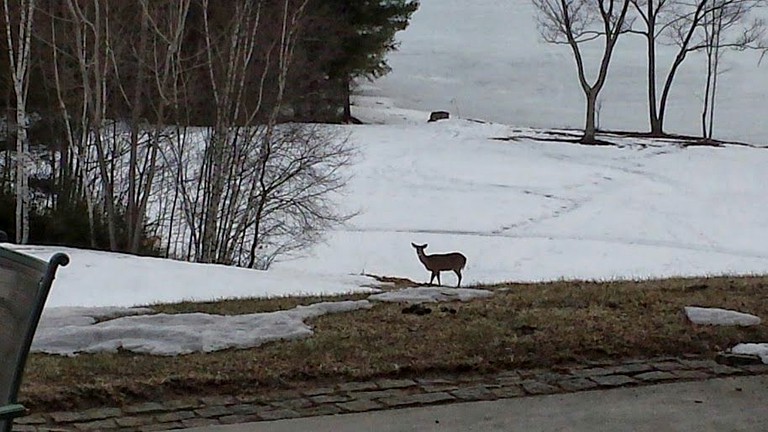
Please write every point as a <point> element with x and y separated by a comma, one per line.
<point>24,285</point>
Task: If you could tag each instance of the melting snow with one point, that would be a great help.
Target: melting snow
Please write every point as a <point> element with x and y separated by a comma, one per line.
<point>717,316</point>
<point>164,334</point>
<point>430,295</point>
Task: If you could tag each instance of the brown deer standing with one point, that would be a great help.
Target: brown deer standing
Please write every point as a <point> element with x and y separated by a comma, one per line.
<point>441,262</point>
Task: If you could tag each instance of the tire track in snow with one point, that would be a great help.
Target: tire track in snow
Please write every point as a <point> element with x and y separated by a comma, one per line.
<point>600,185</point>
<point>625,241</point>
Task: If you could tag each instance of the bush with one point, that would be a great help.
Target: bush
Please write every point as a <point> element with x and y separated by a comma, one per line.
<point>65,225</point>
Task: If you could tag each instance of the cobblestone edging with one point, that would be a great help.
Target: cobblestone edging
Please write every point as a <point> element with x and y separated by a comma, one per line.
<point>379,394</point>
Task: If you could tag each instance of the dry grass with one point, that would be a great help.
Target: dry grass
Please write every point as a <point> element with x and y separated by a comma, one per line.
<point>522,326</point>
<point>249,305</point>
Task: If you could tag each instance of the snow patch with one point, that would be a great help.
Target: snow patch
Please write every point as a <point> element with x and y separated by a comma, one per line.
<point>82,316</point>
<point>717,316</point>
<point>430,295</point>
<point>758,349</point>
<point>169,335</point>
<point>95,279</point>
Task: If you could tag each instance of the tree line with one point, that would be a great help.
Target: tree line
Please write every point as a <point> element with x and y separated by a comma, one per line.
<point>710,27</point>
<point>173,126</point>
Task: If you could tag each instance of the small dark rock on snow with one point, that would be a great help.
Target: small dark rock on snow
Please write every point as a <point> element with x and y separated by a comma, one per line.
<point>439,115</point>
<point>732,359</point>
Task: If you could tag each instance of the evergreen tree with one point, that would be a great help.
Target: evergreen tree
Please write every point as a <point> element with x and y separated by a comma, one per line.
<point>360,33</point>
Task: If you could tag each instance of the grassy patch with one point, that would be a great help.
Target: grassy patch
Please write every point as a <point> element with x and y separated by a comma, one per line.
<point>521,326</point>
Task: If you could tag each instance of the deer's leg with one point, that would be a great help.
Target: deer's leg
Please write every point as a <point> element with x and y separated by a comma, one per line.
<point>458,275</point>
<point>433,277</point>
<point>438,279</point>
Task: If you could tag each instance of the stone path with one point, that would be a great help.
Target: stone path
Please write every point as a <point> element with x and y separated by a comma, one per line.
<point>380,394</point>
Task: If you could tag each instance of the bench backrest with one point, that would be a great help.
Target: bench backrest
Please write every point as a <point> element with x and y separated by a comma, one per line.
<point>24,285</point>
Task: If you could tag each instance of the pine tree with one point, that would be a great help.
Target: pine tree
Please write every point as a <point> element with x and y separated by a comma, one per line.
<point>361,33</point>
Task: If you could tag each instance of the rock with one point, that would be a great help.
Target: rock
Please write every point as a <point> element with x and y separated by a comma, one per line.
<point>733,359</point>
<point>417,309</point>
<point>758,349</point>
<point>439,115</point>
<point>448,309</point>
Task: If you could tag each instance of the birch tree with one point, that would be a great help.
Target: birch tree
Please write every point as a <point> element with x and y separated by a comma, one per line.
<point>229,60</point>
<point>76,181</point>
<point>19,47</point>
<point>576,22</point>
<point>223,182</point>
<point>89,24</point>
<point>254,189</point>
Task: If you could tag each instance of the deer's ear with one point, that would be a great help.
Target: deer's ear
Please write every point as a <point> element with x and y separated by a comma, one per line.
<point>424,245</point>
<point>413,244</point>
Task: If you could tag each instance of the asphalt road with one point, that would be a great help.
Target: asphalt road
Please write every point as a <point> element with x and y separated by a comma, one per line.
<point>724,404</point>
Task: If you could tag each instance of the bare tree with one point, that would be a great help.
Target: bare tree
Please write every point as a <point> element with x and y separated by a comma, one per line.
<point>575,22</point>
<point>19,47</point>
<point>292,204</point>
<point>680,23</point>
<point>155,60</point>
<point>77,178</point>
<point>251,189</point>
<point>134,213</point>
<point>89,22</point>
<point>229,61</point>
<point>652,15</point>
<point>725,25</point>
<point>241,188</point>
<point>713,36</point>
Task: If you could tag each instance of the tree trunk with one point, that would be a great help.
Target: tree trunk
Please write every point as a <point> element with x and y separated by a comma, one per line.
<point>108,192</point>
<point>657,126</point>
<point>347,100</point>
<point>653,113</point>
<point>134,214</point>
<point>589,125</point>
<point>679,58</point>
<point>22,176</point>
<point>215,188</point>
<point>18,56</point>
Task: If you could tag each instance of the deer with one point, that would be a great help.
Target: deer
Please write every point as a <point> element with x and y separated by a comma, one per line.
<point>441,262</point>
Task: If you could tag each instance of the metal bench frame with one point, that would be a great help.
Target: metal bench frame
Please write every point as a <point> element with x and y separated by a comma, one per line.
<point>15,262</point>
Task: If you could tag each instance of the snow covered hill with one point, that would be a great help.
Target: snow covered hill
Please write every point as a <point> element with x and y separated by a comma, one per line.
<point>523,208</point>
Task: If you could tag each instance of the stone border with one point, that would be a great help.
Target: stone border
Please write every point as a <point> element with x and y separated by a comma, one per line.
<point>380,394</point>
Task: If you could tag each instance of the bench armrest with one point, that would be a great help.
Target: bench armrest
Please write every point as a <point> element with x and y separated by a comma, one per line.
<point>12,411</point>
